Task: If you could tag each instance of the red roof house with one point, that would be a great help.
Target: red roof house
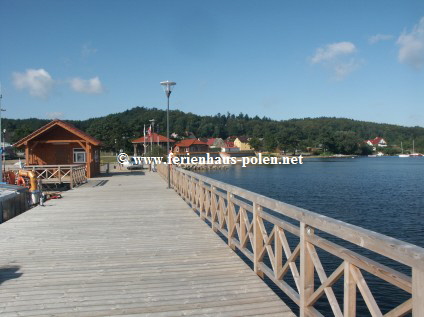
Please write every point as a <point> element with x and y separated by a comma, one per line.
<point>211,141</point>
<point>377,142</point>
<point>190,146</point>
<point>153,139</point>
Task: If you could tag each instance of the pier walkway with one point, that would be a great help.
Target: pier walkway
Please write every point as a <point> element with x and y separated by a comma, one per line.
<point>127,248</point>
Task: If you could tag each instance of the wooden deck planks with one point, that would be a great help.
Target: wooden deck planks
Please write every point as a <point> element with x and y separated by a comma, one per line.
<point>129,248</point>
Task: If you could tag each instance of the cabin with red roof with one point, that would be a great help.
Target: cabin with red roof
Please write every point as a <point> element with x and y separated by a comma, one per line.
<point>150,140</point>
<point>190,146</point>
<point>61,143</point>
<point>377,142</point>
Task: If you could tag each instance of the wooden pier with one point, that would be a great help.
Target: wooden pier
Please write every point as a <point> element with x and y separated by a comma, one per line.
<point>125,247</point>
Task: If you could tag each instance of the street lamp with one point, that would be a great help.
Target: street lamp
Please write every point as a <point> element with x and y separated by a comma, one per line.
<point>152,130</point>
<point>1,161</point>
<point>167,87</point>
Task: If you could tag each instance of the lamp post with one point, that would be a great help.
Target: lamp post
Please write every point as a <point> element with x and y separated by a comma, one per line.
<point>167,87</point>
<point>152,130</point>
<point>1,161</point>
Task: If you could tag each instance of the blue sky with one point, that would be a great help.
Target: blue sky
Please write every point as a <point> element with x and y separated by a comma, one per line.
<point>282,59</point>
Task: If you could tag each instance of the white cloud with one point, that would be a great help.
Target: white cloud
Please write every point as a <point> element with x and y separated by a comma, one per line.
<point>411,44</point>
<point>379,37</point>
<point>88,50</point>
<point>333,51</point>
<point>342,69</point>
<point>37,81</point>
<point>87,86</point>
<point>54,115</point>
<point>337,57</point>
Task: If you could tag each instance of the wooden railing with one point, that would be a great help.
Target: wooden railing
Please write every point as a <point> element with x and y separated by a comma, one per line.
<point>296,244</point>
<point>57,174</point>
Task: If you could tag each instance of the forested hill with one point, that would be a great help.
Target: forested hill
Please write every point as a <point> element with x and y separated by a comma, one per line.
<point>285,134</point>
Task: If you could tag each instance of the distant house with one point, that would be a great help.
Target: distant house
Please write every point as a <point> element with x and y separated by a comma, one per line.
<point>231,138</point>
<point>229,144</point>
<point>191,146</point>
<point>376,142</point>
<point>229,147</point>
<point>150,140</point>
<point>60,143</point>
<point>242,143</point>
<point>215,143</point>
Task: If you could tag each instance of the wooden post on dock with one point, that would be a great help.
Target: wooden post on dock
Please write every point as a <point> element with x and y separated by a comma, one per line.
<point>59,174</point>
<point>349,301</point>
<point>306,269</point>
<point>214,208</point>
<point>202,200</point>
<point>417,292</point>
<point>230,220</point>
<point>71,175</point>
<point>258,241</point>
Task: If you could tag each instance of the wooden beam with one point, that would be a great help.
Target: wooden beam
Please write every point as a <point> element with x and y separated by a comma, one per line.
<point>349,299</point>
<point>306,270</point>
<point>88,159</point>
<point>417,292</point>
<point>59,141</point>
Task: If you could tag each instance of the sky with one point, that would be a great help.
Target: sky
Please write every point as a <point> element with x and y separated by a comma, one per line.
<point>280,59</point>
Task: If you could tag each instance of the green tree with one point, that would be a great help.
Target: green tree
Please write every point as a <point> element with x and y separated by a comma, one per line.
<point>256,144</point>
<point>270,142</point>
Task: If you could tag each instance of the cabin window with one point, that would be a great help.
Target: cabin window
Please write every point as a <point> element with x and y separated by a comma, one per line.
<point>79,156</point>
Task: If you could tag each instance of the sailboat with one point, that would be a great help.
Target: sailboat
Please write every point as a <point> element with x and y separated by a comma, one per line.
<point>413,150</point>
<point>403,155</point>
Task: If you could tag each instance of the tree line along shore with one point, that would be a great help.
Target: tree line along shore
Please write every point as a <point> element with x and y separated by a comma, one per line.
<point>319,136</point>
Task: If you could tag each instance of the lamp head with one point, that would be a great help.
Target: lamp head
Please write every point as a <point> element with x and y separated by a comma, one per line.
<point>168,86</point>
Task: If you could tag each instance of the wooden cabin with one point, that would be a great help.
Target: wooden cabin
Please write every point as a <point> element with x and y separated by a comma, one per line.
<point>60,143</point>
<point>190,146</point>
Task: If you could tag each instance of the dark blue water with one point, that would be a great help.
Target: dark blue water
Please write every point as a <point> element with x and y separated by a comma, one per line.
<point>385,195</point>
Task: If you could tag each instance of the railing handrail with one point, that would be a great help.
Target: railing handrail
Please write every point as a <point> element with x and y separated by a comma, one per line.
<point>227,208</point>
<point>53,166</point>
<point>75,172</point>
<point>398,250</point>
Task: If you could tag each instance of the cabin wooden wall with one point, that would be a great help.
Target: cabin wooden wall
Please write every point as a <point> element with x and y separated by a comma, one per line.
<point>51,154</point>
<point>62,154</point>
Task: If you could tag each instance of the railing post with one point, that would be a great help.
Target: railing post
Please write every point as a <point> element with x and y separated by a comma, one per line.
<point>349,301</point>
<point>213,208</point>
<point>71,175</point>
<point>258,241</point>
<point>230,220</point>
<point>417,292</point>
<point>202,200</point>
<point>306,269</point>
